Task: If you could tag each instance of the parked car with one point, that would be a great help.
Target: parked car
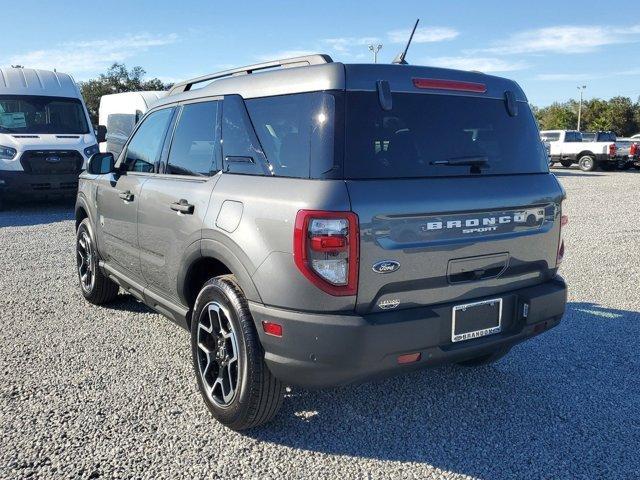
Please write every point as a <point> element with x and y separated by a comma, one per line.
<point>118,115</point>
<point>547,151</point>
<point>635,137</point>
<point>45,134</point>
<point>298,219</point>
<point>567,148</point>
<point>629,152</point>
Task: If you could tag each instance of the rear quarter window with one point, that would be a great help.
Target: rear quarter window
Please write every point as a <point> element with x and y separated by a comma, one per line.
<point>422,131</point>
<point>296,132</point>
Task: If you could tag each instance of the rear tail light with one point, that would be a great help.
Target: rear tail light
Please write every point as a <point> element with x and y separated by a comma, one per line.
<point>633,151</point>
<point>325,250</point>
<point>564,219</point>
<point>613,150</point>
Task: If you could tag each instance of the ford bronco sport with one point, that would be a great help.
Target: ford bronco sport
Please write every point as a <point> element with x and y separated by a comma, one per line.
<point>316,224</point>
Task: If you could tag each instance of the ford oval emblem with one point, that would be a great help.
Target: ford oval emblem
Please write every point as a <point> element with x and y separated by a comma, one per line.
<point>386,266</point>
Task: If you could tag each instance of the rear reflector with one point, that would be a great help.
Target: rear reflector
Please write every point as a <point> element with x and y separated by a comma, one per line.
<point>560,253</point>
<point>271,328</point>
<point>439,84</point>
<point>540,327</point>
<point>409,358</point>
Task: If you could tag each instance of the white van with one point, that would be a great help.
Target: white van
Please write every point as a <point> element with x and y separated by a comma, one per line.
<point>45,133</point>
<point>118,115</point>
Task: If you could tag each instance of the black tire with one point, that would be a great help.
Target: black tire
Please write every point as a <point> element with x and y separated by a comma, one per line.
<point>587,163</point>
<point>485,359</point>
<point>258,395</point>
<point>566,163</point>
<point>100,289</point>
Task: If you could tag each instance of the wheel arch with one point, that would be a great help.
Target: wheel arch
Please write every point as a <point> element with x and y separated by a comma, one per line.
<point>586,152</point>
<point>82,211</point>
<point>211,260</point>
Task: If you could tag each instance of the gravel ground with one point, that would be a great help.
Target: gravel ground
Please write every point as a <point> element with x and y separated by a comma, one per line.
<point>109,392</point>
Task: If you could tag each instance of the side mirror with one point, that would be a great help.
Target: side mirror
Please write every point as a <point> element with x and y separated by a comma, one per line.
<point>101,133</point>
<point>101,163</point>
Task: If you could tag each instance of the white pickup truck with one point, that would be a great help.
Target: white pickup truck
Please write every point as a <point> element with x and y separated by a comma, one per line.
<point>568,147</point>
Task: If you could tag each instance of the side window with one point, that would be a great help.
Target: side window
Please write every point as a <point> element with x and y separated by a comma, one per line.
<point>241,150</point>
<point>144,148</point>
<point>194,142</point>
<point>296,132</point>
<point>550,137</point>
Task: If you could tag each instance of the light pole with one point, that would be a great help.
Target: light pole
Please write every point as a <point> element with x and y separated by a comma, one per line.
<point>375,51</point>
<point>581,88</point>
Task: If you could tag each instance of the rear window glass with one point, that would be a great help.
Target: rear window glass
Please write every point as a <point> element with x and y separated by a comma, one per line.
<point>422,133</point>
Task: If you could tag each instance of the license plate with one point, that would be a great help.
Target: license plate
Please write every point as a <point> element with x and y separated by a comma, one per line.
<point>475,320</point>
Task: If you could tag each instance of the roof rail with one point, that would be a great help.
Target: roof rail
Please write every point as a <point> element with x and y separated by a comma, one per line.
<point>305,60</point>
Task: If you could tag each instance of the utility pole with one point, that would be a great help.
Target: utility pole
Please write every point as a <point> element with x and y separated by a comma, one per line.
<point>581,88</point>
<point>375,51</point>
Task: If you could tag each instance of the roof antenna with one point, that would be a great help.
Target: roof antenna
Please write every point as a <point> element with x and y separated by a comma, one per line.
<point>400,58</point>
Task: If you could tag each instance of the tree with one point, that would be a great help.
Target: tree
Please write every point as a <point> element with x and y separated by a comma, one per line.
<point>618,114</point>
<point>117,79</point>
<point>595,115</point>
<point>558,116</point>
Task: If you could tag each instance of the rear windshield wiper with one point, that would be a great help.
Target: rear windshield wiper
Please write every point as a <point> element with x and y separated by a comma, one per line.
<point>464,162</point>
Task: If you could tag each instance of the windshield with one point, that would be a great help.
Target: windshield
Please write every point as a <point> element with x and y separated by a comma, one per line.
<point>426,135</point>
<point>31,114</point>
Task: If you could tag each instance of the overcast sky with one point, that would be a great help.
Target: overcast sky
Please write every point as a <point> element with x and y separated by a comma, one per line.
<point>549,47</point>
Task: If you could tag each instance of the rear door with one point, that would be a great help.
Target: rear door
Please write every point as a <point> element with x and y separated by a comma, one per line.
<point>173,204</point>
<point>572,145</point>
<point>453,196</point>
<point>118,195</point>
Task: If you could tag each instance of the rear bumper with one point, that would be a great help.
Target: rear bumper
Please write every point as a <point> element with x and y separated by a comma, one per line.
<point>320,350</point>
<point>13,183</point>
<point>605,157</point>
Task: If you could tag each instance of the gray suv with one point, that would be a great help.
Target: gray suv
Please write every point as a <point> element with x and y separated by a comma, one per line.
<point>316,224</point>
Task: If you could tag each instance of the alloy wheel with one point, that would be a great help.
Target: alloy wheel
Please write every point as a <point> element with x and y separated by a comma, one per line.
<point>218,357</point>
<point>86,262</point>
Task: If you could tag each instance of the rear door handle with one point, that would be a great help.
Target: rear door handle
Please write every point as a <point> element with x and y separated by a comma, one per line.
<point>183,206</point>
<point>126,196</point>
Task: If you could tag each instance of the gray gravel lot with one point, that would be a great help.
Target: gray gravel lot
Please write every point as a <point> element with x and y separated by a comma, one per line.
<point>109,392</point>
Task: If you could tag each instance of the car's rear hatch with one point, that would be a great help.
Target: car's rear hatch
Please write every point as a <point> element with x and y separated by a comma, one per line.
<point>452,191</point>
<point>511,240</point>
